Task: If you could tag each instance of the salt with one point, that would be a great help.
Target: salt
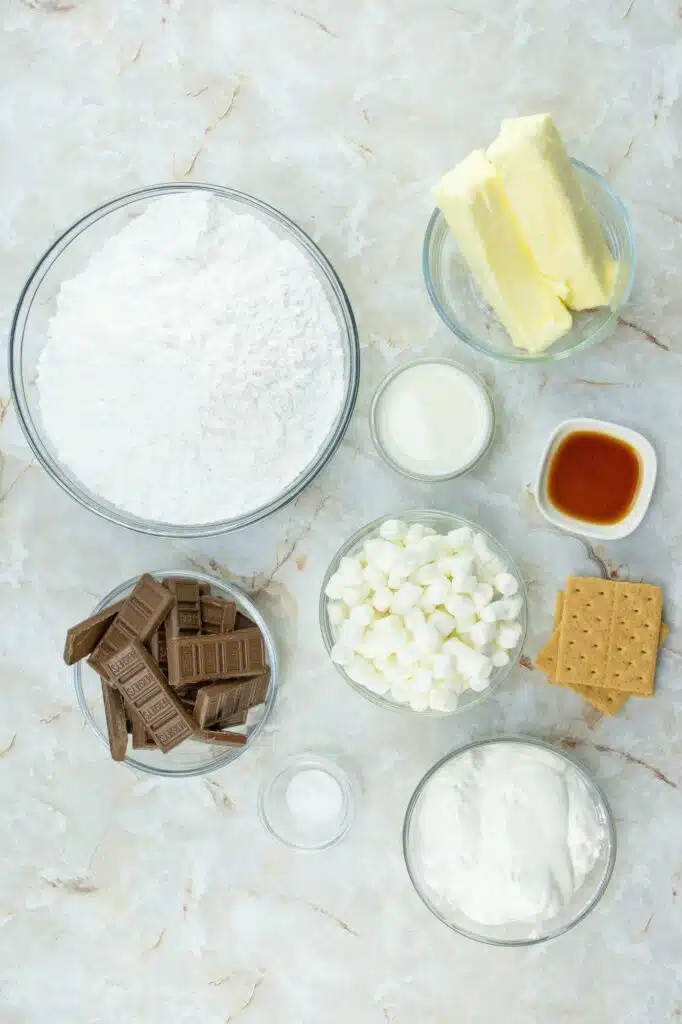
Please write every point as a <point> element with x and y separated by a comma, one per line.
<point>313,796</point>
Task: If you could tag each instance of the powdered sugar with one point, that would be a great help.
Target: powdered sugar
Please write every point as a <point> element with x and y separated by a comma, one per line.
<point>194,368</point>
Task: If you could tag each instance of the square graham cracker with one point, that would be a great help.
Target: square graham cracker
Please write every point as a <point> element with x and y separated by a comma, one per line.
<point>585,633</point>
<point>635,634</point>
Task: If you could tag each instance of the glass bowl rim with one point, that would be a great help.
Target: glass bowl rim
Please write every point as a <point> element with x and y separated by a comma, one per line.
<point>325,627</point>
<point>548,356</point>
<point>600,800</point>
<point>313,759</point>
<point>243,600</point>
<point>422,361</point>
<point>343,313</point>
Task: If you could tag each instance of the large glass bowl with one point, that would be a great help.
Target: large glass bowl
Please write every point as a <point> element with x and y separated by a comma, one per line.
<point>463,308</point>
<point>441,522</point>
<point>191,757</point>
<point>68,256</point>
<point>522,933</point>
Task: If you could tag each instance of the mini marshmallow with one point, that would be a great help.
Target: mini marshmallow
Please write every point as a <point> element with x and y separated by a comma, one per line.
<point>415,619</point>
<point>442,621</point>
<point>427,550</point>
<point>363,614</point>
<point>482,633</point>
<point>500,659</point>
<point>381,554</point>
<point>337,612</point>
<point>393,530</point>
<point>417,532</point>
<point>341,655</point>
<point>374,577</point>
<point>480,682</point>
<point>481,549</point>
<point>442,700</point>
<point>423,680</point>
<point>408,654</point>
<point>427,640</point>
<point>394,671</point>
<point>377,683</point>
<point>354,595</point>
<point>514,606</point>
<point>509,635</point>
<point>438,592</point>
<point>359,669</point>
<point>382,599</point>
<point>427,574</point>
<point>464,584</point>
<point>419,701</point>
<point>350,571</point>
<point>461,564</point>
<point>495,611</point>
<point>482,596</point>
<point>460,606</point>
<point>351,634</point>
<point>334,588</point>
<point>441,666</point>
<point>506,584</point>
<point>460,538</point>
<point>401,691</point>
<point>405,598</point>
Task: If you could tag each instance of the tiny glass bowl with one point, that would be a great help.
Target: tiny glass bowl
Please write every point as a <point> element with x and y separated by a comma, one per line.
<point>67,257</point>
<point>376,433</point>
<point>192,757</point>
<point>461,306</point>
<point>311,834</point>
<point>441,522</point>
<point>521,933</point>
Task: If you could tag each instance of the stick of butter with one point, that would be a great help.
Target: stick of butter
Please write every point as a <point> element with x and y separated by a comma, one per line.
<point>561,228</point>
<point>478,213</point>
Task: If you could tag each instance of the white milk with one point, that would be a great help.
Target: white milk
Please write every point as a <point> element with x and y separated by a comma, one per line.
<point>433,419</point>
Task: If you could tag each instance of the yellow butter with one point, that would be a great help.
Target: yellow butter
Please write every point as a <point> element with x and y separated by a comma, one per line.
<point>560,226</point>
<point>478,213</point>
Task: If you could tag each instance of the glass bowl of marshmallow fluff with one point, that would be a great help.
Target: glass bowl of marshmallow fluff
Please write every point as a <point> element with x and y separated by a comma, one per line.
<point>423,612</point>
<point>509,841</point>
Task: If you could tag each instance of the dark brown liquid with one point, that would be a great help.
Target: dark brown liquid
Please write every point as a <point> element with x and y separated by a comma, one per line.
<point>594,477</point>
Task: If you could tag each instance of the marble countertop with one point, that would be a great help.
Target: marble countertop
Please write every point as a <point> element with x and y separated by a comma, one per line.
<point>128,898</point>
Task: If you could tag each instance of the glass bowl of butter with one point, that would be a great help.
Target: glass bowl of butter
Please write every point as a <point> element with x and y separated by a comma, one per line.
<point>530,256</point>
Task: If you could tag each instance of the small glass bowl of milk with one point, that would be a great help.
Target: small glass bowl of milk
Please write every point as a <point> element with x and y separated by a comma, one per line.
<point>431,419</point>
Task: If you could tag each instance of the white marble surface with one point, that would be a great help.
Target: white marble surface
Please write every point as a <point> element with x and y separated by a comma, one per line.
<point>124,898</point>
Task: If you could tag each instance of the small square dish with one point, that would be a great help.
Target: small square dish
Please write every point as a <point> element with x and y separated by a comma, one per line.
<point>596,478</point>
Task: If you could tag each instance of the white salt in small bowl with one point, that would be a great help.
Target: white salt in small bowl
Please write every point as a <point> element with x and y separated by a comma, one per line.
<point>309,802</point>
<point>431,419</point>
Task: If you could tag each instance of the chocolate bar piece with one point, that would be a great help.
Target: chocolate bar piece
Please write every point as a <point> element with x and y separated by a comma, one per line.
<point>217,615</point>
<point>200,659</point>
<point>158,648</point>
<point>228,739</point>
<point>256,690</point>
<point>117,726</point>
<point>244,622</point>
<point>144,688</point>
<point>142,612</point>
<point>142,739</point>
<point>185,615</point>
<point>82,639</point>
<point>220,704</point>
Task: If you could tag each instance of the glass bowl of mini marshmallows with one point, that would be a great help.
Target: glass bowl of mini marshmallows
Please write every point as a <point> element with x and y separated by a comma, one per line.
<point>423,612</point>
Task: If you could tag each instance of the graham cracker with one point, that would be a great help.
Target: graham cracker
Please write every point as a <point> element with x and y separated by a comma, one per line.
<point>610,701</point>
<point>635,632</point>
<point>585,635</point>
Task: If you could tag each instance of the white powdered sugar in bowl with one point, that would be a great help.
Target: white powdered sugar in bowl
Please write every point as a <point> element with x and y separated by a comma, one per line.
<point>195,368</point>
